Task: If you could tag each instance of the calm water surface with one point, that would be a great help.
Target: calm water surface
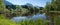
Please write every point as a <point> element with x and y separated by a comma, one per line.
<point>34,17</point>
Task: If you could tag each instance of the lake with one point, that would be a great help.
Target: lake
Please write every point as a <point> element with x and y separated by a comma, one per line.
<point>34,17</point>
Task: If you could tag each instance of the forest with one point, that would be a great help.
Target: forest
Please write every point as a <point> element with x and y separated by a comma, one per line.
<point>51,10</point>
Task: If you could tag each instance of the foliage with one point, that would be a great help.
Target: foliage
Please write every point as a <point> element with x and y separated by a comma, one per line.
<point>4,21</point>
<point>56,4</point>
<point>32,22</point>
<point>57,20</point>
<point>30,9</point>
<point>2,6</point>
<point>36,10</point>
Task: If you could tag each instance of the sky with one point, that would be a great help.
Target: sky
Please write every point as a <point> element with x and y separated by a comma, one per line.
<point>40,3</point>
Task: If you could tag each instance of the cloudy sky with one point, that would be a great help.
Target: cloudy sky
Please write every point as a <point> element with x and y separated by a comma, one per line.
<point>40,3</point>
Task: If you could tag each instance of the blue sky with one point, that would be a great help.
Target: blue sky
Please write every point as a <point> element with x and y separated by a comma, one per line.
<point>40,3</point>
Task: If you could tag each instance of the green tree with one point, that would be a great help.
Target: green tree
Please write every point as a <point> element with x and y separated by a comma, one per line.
<point>2,6</point>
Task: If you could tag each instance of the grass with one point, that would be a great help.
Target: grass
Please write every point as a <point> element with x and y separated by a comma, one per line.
<point>4,21</point>
<point>57,20</point>
<point>32,22</point>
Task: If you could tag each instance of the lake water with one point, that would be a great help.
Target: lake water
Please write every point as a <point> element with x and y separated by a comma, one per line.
<point>34,17</point>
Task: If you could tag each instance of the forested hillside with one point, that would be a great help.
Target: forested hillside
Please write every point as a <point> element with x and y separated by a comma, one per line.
<point>18,10</point>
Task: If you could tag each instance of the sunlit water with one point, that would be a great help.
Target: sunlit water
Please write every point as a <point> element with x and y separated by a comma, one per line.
<point>34,17</point>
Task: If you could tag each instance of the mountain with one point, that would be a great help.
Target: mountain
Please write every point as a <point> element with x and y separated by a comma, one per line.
<point>7,3</point>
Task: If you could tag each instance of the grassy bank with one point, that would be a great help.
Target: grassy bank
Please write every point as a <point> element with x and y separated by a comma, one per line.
<point>4,21</point>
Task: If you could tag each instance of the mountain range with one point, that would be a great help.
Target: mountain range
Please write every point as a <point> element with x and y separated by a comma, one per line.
<point>7,3</point>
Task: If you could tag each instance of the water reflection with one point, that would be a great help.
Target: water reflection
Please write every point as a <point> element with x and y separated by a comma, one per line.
<point>17,19</point>
<point>42,16</point>
<point>34,17</point>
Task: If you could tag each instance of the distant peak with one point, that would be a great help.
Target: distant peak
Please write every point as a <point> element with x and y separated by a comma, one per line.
<point>7,2</point>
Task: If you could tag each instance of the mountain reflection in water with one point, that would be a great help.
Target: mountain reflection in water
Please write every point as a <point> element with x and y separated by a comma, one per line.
<point>34,17</point>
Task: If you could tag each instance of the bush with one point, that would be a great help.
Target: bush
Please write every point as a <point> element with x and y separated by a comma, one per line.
<point>57,20</point>
<point>4,21</point>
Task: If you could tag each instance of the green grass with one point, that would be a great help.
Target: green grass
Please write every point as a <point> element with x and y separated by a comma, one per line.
<point>32,22</point>
<point>4,21</point>
<point>57,20</point>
